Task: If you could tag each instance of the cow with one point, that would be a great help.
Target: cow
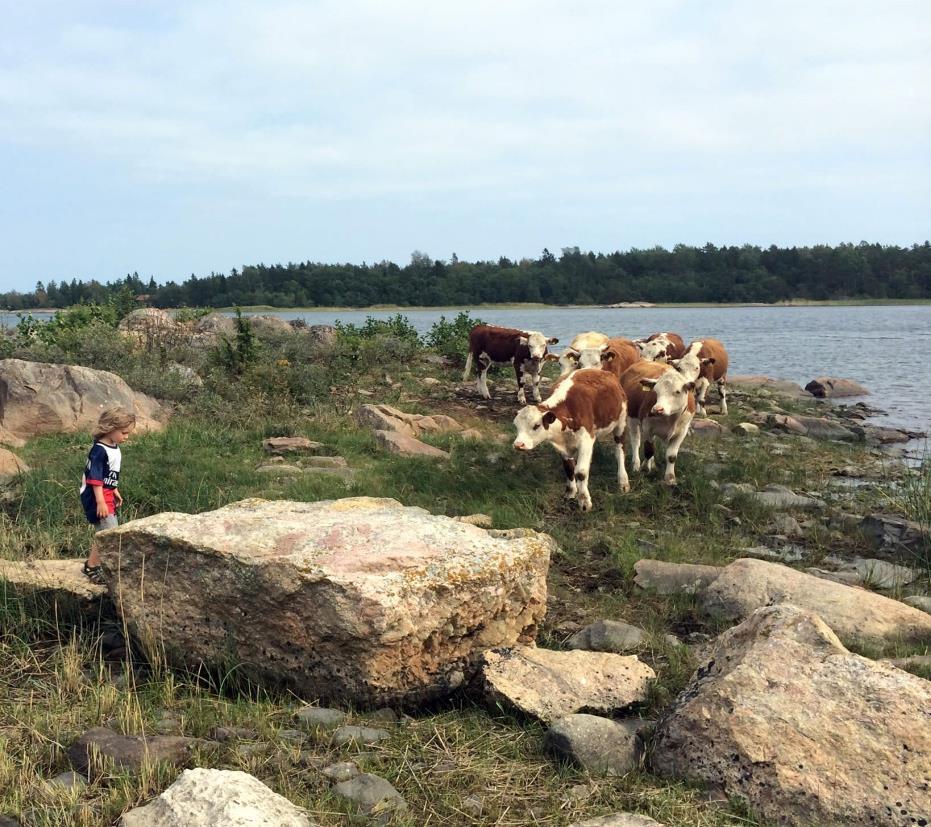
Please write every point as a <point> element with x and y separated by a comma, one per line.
<point>661,403</point>
<point>705,361</point>
<point>661,347</point>
<point>584,404</point>
<point>616,356</point>
<point>526,349</point>
<point>571,356</point>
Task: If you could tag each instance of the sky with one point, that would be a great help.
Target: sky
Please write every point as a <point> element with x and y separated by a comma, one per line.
<point>171,138</point>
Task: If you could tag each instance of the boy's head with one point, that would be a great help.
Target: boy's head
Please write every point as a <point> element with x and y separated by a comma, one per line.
<point>115,423</point>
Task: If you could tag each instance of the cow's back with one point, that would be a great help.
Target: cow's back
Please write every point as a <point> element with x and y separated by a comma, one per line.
<point>639,399</point>
<point>500,343</point>
<point>713,349</point>
<point>594,400</point>
<point>624,352</point>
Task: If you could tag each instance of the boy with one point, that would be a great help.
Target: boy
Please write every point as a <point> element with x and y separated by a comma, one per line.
<point>100,494</point>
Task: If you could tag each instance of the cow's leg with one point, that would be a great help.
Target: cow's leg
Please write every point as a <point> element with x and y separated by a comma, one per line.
<point>722,389</point>
<point>623,480</point>
<point>701,388</point>
<point>649,447</point>
<point>633,443</point>
<point>535,378</point>
<point>672,448</point>
<point>583,465</point>
<point>519,372</point>
<point>483,363</point>
<point>568,466</point>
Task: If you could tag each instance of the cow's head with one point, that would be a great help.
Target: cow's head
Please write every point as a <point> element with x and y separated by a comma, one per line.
<point>672,391</point>
<point>568,361</point>
<point>655,350</point>
<point>535,424</point>
<point>690,366</point>
<point>536,343</point>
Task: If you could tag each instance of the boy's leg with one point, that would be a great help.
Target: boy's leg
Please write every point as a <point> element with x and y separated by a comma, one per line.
<point>93,559</point>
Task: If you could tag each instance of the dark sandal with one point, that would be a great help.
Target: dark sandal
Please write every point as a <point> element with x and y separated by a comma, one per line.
<point>93,573</point>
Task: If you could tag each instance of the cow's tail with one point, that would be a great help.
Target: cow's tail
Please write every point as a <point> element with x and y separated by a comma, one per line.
<point>468,367</point>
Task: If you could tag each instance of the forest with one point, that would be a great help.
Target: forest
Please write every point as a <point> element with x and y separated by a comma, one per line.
<point>726,274</point>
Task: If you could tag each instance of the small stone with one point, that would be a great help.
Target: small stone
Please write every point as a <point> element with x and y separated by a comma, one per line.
<point>363,392</point>
<point>319,717</point>
<point>619,820</point>
<point>919,601</point>
<point>168,724</point>
<point>471,433</point>
<point>674,578</point>
<point>608,636</point>
<point>291,736</point>
<point>9,821</point>
<point>746,429</point>
<point>232,733</point>
<point>279,469</point>
<point>290,444</point>
<point>127,751</point>
<point>325,462</point>
<point>385,715</point>
<point>472,805</point>
<point>342,771</point>
<point>599,745</point>
<point>480,520</point>
<point>371,794</point>
<point>71,781</point>
<point>430,381</point>
<point>359,735</point>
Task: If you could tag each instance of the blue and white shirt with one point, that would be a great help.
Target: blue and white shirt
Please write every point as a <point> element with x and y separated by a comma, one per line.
<point>102,468</point>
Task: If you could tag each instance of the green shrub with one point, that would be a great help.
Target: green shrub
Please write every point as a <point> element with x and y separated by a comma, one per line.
<point>398,327</point>
<point>451,339</point>
<point>236,355</point>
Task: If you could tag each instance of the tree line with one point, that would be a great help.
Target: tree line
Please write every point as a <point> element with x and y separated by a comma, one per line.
<point>684,274</point>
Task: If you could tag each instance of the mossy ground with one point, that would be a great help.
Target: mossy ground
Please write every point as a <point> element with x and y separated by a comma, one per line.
<point>54,683</point>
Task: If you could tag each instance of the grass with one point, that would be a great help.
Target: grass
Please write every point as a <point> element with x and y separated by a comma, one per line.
<point>55,681</point>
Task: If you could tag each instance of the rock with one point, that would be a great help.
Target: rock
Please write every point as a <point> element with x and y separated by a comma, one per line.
<point>472,805</point>
<point>818,427</point>
<point>279,469</point>
<point>436,424</point>
<point>360,599</point>
<point>324,335</point>
<point>780,497</point>
<point>7,821</point>
<point>480,520</point>
<point>785,524</point>
<point>847,578</point>
<point>785,718</point>
<point>882,574</point>
<point>608,636</point>
<point>385,715</point>
<point>827,387</point>
<point>397,443</point>
<point>598,745</point>
<point>893,533</point>
<point>472,433</point>
<point>371,794</point>
<point>548,685</point>
<point>10,465</point>
<point>291,736</point>
<point>855,615</point>
<point>223,734</point>
<point>359,735</point>
<point>126,751</point>
<point>150,326</point>
<point>919,601</point>
<point>706,429</point>
<point>618,820</point>
<point>184,373</point>
<point>746,429</point>
<point>674,578</point>
<point>8,439</point>
<point>320,717</point>
<point>784,422</point>
<point>215,325</point>
<point>290,445</point>
<point>780,387</point>
<point>265,325</point>
<point>60,576</point>
<point>211,798</point>
<point>911,662</point>
<point>341,771</point>
<point>325,463</point>
<point>70,781</point>
<point>387,418</point>
<point>38,398</point>
<point>430,382</point>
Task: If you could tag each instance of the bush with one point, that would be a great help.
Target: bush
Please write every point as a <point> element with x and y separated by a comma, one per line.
<point>451,339</point>
<point>397,327</point>
<point>235,356</point>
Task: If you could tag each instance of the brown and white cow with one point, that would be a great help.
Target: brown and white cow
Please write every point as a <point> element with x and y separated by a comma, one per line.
<point>661,404</point>
<point>571,358</point>
<point>661,347</point>
<point>526,349</point>
<point>705,361</point>
<point>617,355</point>
<point>584,404</point>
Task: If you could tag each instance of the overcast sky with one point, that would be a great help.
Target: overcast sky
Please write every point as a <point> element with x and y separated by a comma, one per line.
<point>171,138</point>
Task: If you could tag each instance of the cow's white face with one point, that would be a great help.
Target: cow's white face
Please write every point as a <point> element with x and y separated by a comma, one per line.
<point>690,365</point>
<point>591,357</point>
<point>534,426</point>
<point>536,343</point>
<point>672,393</point>
<point>654,351</point>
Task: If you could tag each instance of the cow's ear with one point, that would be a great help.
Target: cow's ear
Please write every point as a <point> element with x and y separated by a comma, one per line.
<point>608,356</point>
<point>551,357</point>
<point>522,340</point>
<point>548,419</point>
<point>675,363</point>
<point>709,361</point>
<point>552,341</point>
<point>647,384</point>
<point>689,386</point>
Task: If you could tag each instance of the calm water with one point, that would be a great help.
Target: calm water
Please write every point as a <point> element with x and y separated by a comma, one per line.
<point>885,348</point>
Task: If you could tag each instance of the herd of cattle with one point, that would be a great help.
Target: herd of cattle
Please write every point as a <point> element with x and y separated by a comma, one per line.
<point>638,390</point>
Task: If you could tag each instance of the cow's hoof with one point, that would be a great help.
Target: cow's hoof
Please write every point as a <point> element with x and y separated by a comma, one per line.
<point>625,488</point>
<point>585,506</point>
<point>670,482</point>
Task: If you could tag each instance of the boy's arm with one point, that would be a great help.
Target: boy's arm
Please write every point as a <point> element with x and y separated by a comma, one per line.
<point>103,510</point>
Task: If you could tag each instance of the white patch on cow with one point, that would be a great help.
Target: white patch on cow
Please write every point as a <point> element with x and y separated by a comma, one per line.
<point>689,365</point>
<point>672,393</point>
<point>536,342</point>
<point>584,341</point>
<point>591,357</point>
<point>559,394</point>
<point>655,350</point>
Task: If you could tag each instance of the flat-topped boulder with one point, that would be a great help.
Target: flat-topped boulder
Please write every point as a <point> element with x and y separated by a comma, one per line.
<point>358,600</point>
<point>782,716</point>
<point>830,387</point>
<point>855,614</point>
<point>38,398</point>
<point>60,576</point>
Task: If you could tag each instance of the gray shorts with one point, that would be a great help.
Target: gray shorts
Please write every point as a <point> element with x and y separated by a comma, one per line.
<point>105,523</point>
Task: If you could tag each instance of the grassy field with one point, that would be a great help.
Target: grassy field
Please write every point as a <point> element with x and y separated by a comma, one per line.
<point>55,682</point>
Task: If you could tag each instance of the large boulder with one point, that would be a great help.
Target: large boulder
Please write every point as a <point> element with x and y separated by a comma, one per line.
<point>829,387</point>
<point>151,326</point>
<point>855,614</point>
<point>779,387</point>
<point>10,465</point>
<point>215,324</point>
<point>38,398</point>
<point>359,600</point>
<point>784,717</point>
<point>210,798</point>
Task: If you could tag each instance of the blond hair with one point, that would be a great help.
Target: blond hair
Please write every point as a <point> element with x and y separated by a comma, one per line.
<point>114,419</point>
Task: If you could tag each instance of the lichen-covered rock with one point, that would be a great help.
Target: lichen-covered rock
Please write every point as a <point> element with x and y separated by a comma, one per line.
<point>126,751</point>
<point>674,578</point>
<point>361,600</point>
<point>602,746</point>
<point>855,615</point>
<point>62,577</point>
<point>37,398</point>
<point>149,325</point>
<point>784,717</point>
<point>398,443</point>
<point>217,798</point>
<point>548,684</point>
